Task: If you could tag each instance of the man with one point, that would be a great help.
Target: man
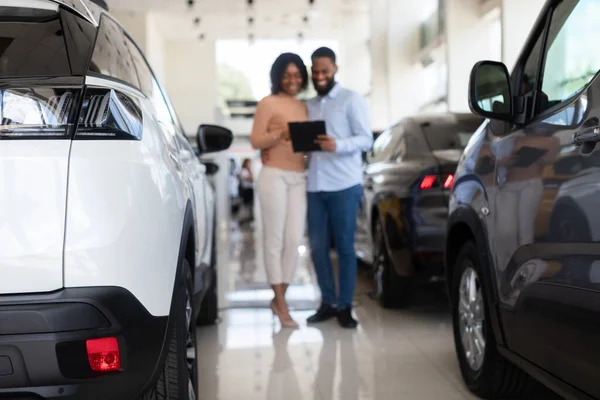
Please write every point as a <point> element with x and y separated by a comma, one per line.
<point>334,186</point>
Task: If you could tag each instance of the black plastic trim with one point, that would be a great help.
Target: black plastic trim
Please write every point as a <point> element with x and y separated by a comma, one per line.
<point>50,318</point>
<point>566,391</point>
<point>44,365</point>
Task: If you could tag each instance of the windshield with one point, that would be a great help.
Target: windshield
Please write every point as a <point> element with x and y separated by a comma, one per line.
<point>450,135</point>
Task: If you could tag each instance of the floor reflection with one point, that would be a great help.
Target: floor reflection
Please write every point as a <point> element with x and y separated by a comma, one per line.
<point>393,355</point>
<point>249,287</point>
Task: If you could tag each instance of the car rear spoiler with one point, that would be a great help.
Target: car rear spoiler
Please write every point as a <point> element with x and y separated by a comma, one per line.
<point>88,9</point>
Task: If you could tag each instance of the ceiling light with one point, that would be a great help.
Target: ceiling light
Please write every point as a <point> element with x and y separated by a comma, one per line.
<point>190,3</point>
<point>250,20</point>
<point>202,36</point>
<point>305,19</point>
<point>197,21</point>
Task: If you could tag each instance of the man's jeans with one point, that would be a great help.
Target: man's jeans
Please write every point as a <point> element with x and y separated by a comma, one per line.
<point>334,212</point>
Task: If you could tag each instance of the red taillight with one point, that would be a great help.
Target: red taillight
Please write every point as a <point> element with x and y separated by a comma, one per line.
<point>104,354</point>
<point>431,181</point>
<point>449,182</point>
<point>428,181</point>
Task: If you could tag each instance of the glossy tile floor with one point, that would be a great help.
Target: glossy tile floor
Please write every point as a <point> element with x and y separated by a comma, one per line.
<point>406,354</point>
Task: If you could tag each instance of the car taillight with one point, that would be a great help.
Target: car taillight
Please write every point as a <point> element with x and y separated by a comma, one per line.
<point>104,354</point>
<point>109,114</point>
<point>433,181</point>
<point>449,181</point>
<point>37,112</point>
<point>428,182</point>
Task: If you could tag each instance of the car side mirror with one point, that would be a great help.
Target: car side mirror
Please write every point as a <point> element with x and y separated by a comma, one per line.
<point>490,94</point>
<point>213,138</point>
<point>211,168</point>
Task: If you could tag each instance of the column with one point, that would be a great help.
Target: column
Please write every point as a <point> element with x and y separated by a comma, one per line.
<point>191,80</point>
<point>469,39</point>
<point>518,18</point>
<point>379,92</point>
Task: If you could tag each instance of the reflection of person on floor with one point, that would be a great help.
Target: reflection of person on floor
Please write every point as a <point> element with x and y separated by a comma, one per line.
<point>351,382</point>
<point>247,190</point>
<point>281,184</point>
<point>283,380</point>
<point>334,184</point>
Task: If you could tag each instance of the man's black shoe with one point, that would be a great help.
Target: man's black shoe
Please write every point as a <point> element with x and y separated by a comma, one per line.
<point>324,313</point>
<point>345,318</point>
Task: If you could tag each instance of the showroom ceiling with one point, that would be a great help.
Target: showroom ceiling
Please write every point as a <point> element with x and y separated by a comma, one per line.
<point>225,19</point>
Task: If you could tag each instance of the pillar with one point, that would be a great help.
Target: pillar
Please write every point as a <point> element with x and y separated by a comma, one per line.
<point>469,39</point>
<point>518,18</point>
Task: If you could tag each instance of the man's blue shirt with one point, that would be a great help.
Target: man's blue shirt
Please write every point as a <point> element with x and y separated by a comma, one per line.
<point>346,116</point>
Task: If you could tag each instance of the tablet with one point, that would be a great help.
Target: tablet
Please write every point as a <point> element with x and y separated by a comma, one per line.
<point>304,134</point>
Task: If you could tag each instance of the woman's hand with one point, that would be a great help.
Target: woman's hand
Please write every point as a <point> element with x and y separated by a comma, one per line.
<point>278,129</point>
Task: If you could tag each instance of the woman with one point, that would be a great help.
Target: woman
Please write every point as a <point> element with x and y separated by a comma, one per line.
<point>281,184</point>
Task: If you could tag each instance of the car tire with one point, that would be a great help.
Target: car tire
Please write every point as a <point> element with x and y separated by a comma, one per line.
<point>209,311</point>
<point>391,289</point>
<point>485,371</point>
<point>179,376</point>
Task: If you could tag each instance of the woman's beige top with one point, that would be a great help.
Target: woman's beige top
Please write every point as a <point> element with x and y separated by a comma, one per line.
<point>273,114</point>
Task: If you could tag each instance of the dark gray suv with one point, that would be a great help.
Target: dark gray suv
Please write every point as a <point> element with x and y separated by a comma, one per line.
<point>523,241</point>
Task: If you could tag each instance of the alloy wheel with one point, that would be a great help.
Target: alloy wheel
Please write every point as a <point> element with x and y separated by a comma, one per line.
<point>472,318</point>
<point>190,347</point>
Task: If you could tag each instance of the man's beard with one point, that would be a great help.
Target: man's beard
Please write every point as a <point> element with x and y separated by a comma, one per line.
<point>326,89</point>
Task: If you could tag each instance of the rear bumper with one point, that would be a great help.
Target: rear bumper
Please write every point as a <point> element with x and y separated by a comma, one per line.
<point>43,351</point>
<point>428,241</point>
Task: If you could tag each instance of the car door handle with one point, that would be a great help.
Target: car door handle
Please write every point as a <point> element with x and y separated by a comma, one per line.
<point>590,133</point>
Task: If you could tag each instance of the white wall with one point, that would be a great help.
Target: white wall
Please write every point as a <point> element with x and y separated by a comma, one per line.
<point>379,95</point>
<point>468,36</point>
<point>191,82</point>
<point>518,17</point>
<point>354,56</point>
<point>155,47</point>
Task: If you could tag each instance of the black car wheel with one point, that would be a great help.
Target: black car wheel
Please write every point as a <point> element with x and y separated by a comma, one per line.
<point>391,288</point>
<point>179,377</point>
<point>209,311</point>
<point>485,372</point>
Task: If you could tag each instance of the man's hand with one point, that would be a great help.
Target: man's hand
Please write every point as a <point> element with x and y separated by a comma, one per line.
<point>326,142</point>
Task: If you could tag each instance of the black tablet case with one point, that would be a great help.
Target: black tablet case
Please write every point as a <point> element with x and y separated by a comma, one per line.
<point>304,134</point>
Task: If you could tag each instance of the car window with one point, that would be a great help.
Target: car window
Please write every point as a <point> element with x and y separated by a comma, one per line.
<point>148,83</point>
<point>528,77</point>
<point>450,135</point>
<point>32,43</point>
<point>379,146</point>
<point>111,57</point>
<point>386,145</point>
<point>398,145</point>
<point>571,60</point>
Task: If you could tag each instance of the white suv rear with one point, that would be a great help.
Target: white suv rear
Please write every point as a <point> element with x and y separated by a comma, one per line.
<point>106,215</point>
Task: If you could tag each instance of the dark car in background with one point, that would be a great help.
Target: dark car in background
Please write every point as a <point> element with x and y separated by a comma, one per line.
<point>523,249</point>
<point>402,221</point>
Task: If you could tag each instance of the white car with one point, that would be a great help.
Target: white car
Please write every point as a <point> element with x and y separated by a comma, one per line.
<point>106,216</point>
